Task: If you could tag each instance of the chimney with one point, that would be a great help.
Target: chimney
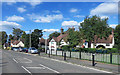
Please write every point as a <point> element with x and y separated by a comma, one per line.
<point>62,30</point>
<point>73,28</point>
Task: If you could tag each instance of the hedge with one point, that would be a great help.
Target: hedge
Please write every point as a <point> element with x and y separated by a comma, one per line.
<point>91,50</point>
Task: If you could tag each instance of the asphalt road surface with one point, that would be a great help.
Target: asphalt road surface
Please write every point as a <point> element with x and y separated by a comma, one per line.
<point>18,62</point>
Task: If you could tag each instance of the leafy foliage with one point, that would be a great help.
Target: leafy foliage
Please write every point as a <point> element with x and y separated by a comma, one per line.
<point>35,37</point>
<point>95,26</point>
<point>117,36</point>
<point>54,34</point>
<point>17,33</point>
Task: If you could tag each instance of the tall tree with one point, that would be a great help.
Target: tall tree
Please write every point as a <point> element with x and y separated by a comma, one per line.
<point>35,37</point>
<point>74,37</point>
<point>10,38</point>
<point>26,40</point>
<point>23,35</point>
<point>17,33</point>
<point>54,34</point>
<point>3,38</point>
<point>117,36</point>
<point>95,26</point>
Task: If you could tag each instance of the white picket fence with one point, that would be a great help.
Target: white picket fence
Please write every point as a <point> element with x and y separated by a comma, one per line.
<point>88,56</point>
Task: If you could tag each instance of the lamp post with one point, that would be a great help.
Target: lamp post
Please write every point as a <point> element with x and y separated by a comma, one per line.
<point>45,44</point>
<point>30,39</point>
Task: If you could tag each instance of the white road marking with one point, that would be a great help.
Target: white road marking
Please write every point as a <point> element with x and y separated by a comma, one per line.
<point>76,65</point>
<point>30,61</point>
<point>49,68</point>
<point>26,69</point>
<point>15,60</point>
<point>36,67</point>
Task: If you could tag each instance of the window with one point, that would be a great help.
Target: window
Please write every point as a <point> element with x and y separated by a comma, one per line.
<point>107,44</point>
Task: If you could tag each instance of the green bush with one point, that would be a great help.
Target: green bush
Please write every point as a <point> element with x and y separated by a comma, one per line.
<point>113,50</point>
<point>41,49</point>
<point>66,47</point>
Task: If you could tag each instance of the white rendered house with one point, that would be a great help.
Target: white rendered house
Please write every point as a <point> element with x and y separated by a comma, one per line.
<point>17,43</point>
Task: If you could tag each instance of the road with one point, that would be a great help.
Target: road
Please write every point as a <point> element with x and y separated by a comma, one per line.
<point>18,62</point>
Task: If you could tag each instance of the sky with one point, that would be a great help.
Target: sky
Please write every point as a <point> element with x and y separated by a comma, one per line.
<point>51,16</point>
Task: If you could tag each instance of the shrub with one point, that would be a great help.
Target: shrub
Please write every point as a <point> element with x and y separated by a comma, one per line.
<point>113,50</point>
<point>66,47</point>
<point>41,49</point>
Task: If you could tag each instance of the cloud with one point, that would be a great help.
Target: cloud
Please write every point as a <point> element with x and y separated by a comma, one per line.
<point>105,9</point>
<point>21,9</point>
<point>45,19</point>
<point>103,17</point>
<point>5,25</point>
<point>27,32</point>
<point>34,3</point>
<point>113,25</point>
<point>56,11</point>
<point>73,10</point>
<point>10,3</point>
<point>79,16</point>
<point>15,18</point>
<point>70,23</point>
<point>50,30</point>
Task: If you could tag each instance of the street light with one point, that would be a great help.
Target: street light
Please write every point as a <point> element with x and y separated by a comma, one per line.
<point>45,44</point>
<point>30,39</point>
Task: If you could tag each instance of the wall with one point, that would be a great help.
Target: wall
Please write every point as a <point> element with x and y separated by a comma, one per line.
<point>54,44</point>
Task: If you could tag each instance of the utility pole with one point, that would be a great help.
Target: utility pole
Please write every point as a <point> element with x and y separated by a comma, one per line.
<point>30,39</point>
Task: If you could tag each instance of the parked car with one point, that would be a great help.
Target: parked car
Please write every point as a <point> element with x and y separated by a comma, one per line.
<point>32,50</point>
<point>25,50</point>
<point>15,49</point>
<point>20,49</point>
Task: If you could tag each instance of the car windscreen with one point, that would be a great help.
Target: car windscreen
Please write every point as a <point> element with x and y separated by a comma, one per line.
<point>33,48</point>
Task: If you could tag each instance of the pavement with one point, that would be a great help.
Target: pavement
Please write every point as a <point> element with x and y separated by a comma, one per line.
<point>25,63</point>
<point>103,66</point>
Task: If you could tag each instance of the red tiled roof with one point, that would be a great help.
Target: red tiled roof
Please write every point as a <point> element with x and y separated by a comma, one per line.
<point>61,36</point>
<point>103,40</point>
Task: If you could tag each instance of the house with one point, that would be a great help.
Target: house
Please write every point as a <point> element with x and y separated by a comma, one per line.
<point>17,43</point>
<point>59,41</point>
<point>43,42</point>
<point>104,43</point>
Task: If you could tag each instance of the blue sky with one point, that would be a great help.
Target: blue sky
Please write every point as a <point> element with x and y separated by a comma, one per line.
<point>51,16</point>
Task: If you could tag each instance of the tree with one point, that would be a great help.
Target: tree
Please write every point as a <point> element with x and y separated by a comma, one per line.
<point>117,36</point>
<point>23,35</point>
<point>17,33</point>
<point>10,38</point>
<point>3,38</point>
<point>54,34</point>
<point>74,37</point>
<point>35,37</point>
<point>95,26</point>
<point>26,40</point>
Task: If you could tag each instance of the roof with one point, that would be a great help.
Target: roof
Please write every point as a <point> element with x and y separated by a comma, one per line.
<point>61,36</point>
<point>103,40</point>
<point>15,42</point>
<point>42,41</point>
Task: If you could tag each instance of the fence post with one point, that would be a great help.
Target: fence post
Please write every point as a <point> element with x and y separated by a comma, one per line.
<point>110,57</point>
<point>93,59</point>
<point>70,53</point>
<point>79,54</point>
<point>64,55</point>
<point>51,51</point>
<point>56,52</point>
<point>62,52</point>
